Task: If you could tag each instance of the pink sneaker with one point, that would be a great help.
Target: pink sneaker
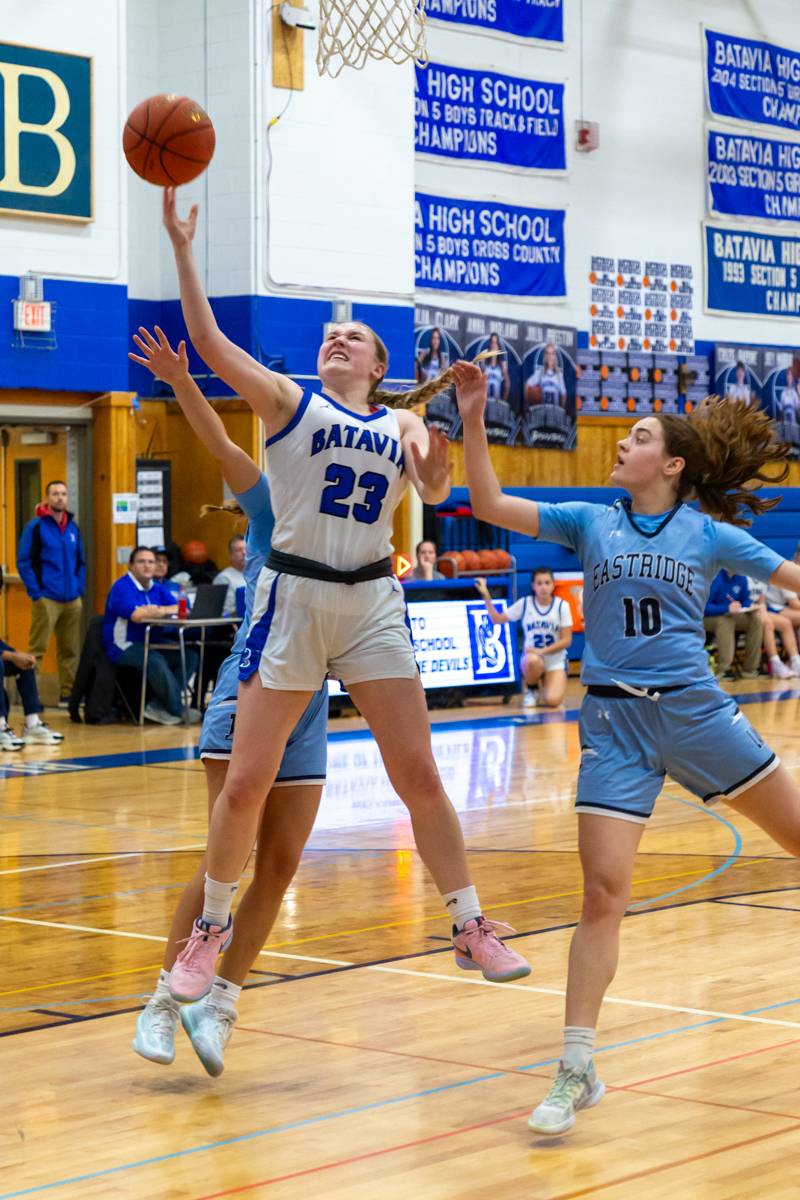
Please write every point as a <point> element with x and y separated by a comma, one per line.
<point>193,973</point>
<point>478,948</point>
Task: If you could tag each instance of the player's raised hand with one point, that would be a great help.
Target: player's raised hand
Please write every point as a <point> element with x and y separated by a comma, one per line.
<point>433,467</point>
<point>159,357</point>
<point>470,384</point>
<point>181,232</point>
<point>480,586</point>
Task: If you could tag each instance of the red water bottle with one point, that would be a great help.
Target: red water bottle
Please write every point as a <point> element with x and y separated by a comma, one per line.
<point>183,606</point>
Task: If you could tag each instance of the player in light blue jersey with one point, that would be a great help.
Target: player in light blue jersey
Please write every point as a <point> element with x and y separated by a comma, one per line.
<point>652,706</point>
<point>291,806</point>
<point>340,457</point>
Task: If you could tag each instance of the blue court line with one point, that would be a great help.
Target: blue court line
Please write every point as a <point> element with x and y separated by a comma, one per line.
<point>729,861</point>
<point>306,1122</point>
<point>187,754</point>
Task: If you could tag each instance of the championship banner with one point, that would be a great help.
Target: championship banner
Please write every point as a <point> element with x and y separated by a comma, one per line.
<point>499,249</point>
<point>481,116</point>
<point>752,176</point>
<point>766,377</point>
<point>753,81</point>
<point>751,273</point>
<point>530,384</point>
<point>533,20</point>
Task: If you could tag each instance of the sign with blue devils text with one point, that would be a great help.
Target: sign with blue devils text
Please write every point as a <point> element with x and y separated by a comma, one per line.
<point>477,246</point>
<point>752,273</point>
<point>539,20</point>
<point>752,176</point>
<point>752,81</point>
<point>482,116</point>
<point>46,143</point>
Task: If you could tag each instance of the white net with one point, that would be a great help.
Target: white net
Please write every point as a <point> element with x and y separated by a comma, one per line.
<point>351,32</point>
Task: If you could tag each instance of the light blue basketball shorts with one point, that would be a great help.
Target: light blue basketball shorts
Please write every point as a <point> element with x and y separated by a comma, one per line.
<point>695,734</point>
<point>306,754</point>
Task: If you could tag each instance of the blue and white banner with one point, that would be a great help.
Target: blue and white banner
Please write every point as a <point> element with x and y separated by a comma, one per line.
<point>534,20</point>
<point>497,249</point>
<point>747,80</point>
<point>482,116</point>
<point>752,176</point>
<point>752,273</point>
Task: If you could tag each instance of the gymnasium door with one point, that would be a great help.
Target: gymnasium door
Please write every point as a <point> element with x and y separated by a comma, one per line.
<point>31,456</point>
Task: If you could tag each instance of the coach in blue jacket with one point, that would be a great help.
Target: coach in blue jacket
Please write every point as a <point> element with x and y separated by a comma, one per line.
<point>52,565</point>
<point>133,600</point>
<point>728,612</point>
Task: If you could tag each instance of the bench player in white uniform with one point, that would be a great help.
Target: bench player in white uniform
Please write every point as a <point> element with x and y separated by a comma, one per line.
<point>547,631</point>
<point>652,706</point>
<point>327,601</point>
<point>291,805</point>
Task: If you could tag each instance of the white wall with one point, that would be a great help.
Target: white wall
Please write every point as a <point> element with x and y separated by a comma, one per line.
<point>97,250</point>
<point>642,194</point>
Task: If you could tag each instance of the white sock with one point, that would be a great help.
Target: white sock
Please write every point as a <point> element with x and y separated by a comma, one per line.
<point>161,990</point>
<point>3,723</point>
<point>462,905</point>
<point>218,901</point>
<point>224,994</point>
<point>578,1045</point>
<point>32,720</point>
<point>794,663</point>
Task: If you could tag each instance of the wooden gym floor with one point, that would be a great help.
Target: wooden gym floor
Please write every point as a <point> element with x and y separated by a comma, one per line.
<point>365,1064</point>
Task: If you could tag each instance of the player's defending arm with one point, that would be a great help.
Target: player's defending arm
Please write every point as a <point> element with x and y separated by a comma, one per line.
<point>238,469</point>
<point>427,462</point>
<point>272,396</point>
<point>489,502</point>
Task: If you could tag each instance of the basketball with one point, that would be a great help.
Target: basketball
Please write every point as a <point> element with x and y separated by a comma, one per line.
<point>533,395</point>
<point>487,560</point>
<point>194,552</point>
<point>503,559</point>
<point>470,560</point>
<point>168,140</point>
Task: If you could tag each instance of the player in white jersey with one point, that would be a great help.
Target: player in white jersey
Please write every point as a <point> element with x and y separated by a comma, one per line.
<point>327,601</point>
<point>652,706</point>
<point>547,632</point>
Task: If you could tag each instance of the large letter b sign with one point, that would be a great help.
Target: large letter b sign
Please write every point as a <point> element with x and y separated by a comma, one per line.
<point>45,133</point>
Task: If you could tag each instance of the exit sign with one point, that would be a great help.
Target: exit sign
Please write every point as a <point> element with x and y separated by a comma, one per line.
<point>32,316</point>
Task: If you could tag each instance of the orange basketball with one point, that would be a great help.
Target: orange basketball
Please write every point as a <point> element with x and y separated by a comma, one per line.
<point>168,140</point>
<point>503,559</point>
<point>194,552</point>
<point>469,561</point>
<point>486,560</point>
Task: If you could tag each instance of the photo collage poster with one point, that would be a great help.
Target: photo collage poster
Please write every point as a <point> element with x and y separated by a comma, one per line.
<point>766,376</point>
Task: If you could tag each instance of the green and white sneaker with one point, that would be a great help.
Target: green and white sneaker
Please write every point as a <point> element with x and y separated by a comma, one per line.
<point>155,1030</point>
<point>209,1027</point>
<point>570,1091</point>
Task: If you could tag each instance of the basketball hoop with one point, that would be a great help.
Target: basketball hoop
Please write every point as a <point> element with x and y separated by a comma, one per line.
<point>351,31</point>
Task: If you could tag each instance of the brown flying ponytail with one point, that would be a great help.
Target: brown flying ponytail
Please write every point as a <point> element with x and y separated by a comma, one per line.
<point>417,398</point>
<point>727,444</point>
<point>232,507</point>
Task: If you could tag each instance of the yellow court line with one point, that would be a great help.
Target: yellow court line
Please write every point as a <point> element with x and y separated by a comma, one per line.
<point>322,937</point>
<point>43,987</point>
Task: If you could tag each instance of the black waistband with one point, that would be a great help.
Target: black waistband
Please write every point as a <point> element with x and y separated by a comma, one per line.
<point>618,693</point>
<point>306,568</point>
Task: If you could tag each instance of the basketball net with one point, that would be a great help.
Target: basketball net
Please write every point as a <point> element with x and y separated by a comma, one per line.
<point>351,31</point>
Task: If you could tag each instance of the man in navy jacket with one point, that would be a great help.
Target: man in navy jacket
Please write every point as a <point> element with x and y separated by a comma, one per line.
<point>134,600</point>
<point>728,612</point>
<point>52,565</point>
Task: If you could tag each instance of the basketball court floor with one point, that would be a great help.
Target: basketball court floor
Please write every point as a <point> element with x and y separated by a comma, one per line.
<point>365,1064</point>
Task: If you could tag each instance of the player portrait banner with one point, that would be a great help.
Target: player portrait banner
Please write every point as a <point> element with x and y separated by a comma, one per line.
<point>530,385</point>
<point>752,176</point>
<point>481,116</point>
<point>751,273</point>
<point>748,80</point>
<point>483,247</point>
<point>765,376</point>
<point>45,133</point>
<point>533,20</point>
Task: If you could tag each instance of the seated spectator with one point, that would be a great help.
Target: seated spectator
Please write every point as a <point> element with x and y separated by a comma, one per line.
<point>729,612</point>
<point>547,624</point>
<point>133,600</point>
<point>232,575</point>
<point>426,562</point>
<point>162,572</point>
<point>774,622</point>
<point>16,664</point>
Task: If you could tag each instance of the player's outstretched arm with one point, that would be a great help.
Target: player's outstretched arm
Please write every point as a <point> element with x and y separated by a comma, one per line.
<point>238,468</point>
<point>489,501</point>
<point>787,576</point>
<point>496,617</point>
<point>272,396</point>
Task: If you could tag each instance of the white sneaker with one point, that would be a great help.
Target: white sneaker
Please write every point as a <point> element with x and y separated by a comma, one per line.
<point>794,665</point>
<point>155,1030</point>
<point>529,698</point>
<point>572,1090</point>
<point>155,712</point>
<point>193,716</point>
<point>209,1028</point>
<point>779,670</point>
<point>42,734</point>
<point>9,740</point>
